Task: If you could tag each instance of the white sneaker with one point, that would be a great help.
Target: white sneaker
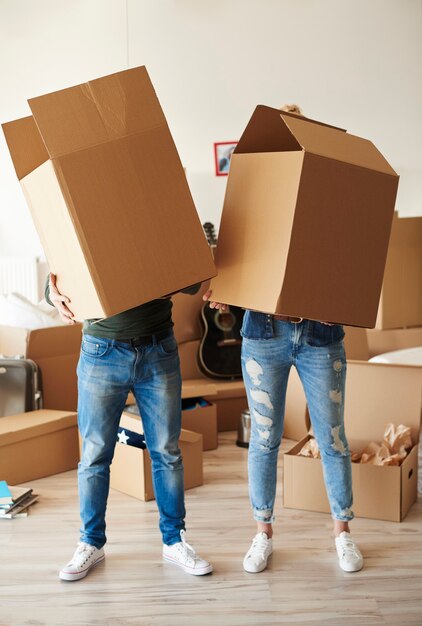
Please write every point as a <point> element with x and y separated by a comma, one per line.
<point>83,560</point>
<point>183,555</point>
<point>256,558</point>
<point>349,556</point>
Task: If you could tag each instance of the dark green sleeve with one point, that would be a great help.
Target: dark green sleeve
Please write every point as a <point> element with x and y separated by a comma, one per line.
<point>192,289</point>
<point>47,291</point>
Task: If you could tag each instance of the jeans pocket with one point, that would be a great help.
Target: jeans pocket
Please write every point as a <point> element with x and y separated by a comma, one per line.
<point>94,346</point>
<point>168,346</point>
<point>320,335</point>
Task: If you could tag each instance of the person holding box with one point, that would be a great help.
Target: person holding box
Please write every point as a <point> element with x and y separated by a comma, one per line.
<point>132,351</point>
<point>271,345</point>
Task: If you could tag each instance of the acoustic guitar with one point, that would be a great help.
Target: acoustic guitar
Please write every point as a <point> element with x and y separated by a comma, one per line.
<point>220,346</point>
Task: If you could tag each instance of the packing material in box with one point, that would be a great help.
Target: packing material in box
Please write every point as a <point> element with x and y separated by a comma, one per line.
<point>380,341</point>
<point>306,204</point>
<point>56,352</point>
<point>37,444</point>
<point>108,194</point>
<point>401,295</point>
<point>131,471</point>
<point>376,394</point>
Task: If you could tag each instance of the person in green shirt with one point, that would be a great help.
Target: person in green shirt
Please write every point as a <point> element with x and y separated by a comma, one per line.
<point>134,351</point>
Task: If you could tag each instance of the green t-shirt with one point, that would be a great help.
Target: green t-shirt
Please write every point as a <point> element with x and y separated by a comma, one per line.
<point>146,319</point>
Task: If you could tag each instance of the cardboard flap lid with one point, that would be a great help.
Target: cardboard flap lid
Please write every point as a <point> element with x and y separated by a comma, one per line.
<point>54,341</point>
<point>98,111</point>
<point>25,144</point>
<point>378,394</point>
<point>335,143</point>
<point>265,132</point>
<point>14,428</point>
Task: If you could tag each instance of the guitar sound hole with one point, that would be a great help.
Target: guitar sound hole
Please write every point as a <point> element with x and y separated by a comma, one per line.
<point>224,320</point>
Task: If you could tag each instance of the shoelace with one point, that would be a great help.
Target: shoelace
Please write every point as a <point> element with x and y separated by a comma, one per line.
<point>186,548</point>
<point>259,545</point>
<point>83,551</point>
<point>348,548</point>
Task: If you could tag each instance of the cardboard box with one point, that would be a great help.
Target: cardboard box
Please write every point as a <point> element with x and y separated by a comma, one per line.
<point>380,341</point>
<point>201,419</point>
<point>108,194</point>
<point>376,394</point>
<point>306,204</point>
<point>37,444</point>
<point>401,295</point>
<point>131,471</point>
<point>56,352</point>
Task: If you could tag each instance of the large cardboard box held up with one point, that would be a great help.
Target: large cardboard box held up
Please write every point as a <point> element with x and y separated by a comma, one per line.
<point>56,352</point>
<point>131,471</point>
<point>376,394</point>
<point>401,295</point>
<point>37,444</point>
<point>306,221</point>
<point>108,194</point>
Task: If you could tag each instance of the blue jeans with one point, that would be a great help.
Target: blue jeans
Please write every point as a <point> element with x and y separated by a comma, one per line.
<point>317,351</point>
<point>107,371</point>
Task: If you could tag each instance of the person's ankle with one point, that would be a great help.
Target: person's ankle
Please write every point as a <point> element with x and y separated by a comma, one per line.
<point>265,528</point>
<point>340,527</point>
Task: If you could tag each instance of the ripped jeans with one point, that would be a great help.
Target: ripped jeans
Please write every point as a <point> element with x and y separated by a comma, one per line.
<point>270,347</point>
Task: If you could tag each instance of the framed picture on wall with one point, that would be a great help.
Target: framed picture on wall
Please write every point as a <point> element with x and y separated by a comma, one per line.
<point>223,151</point>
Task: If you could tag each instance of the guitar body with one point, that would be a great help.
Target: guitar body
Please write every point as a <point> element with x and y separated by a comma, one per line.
<point>219,350</point>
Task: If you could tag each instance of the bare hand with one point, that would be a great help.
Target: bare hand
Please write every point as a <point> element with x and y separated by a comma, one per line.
<point>60,301</point>
<point>213,304</point>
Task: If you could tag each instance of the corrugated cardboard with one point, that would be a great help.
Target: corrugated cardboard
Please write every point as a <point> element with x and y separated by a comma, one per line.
<point>376,394</point>
<point>131,472</point>
<point>306,205</point>
<point>380,341</point>
<point>356,344</point>
<point>203,420</point>
<point>37,444</point>
<point>401,295</point>
<point>56,352</point>
<point>108,194</point>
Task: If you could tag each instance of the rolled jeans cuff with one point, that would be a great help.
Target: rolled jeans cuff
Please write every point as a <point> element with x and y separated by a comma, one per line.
<point>263,515</point>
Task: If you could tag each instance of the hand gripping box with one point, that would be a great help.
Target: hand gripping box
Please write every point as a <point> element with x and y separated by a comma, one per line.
<point>37,444</point>
<point>108,194</point>
<point>376,394</point>
<point>306,221</point>
<point>131,470</point>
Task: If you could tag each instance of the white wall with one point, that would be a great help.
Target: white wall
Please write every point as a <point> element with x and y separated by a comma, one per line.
<point>354,63</point>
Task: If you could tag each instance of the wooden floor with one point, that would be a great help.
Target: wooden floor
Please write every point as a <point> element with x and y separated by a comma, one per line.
<point>303,584</point>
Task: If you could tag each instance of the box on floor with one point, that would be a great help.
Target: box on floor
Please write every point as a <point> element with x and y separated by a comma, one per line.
<point>108,194</point>
<point>131,470</point>
<point>376,394</point>
<point>326,202</point>
<point>56,352</point>
<point>37,444</point>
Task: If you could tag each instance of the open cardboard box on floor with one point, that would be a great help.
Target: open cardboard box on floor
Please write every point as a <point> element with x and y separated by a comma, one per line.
<point>401,295</point>
<point>56,352</point>
<point>37,444</point>
<point>316,211</point>
<point>131,471</point>
<point>376,394</point>
<point>108,194</point>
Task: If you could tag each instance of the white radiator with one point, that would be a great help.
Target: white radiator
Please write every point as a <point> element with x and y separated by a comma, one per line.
<point>20,275</point>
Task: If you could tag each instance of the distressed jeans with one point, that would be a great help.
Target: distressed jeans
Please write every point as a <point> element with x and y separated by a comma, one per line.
<point>107,371</point>
<point>317,351</point>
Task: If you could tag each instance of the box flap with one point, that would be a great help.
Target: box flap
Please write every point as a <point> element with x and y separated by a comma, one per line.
<point>55,341</point>
<point>377,394</point>
<point>196,387</point>
<point>25,145</point>
<point>333,143</point>
<point>188,436</point>
<point>266,132</point>
<point>98,111</point>
<point>23,426</point>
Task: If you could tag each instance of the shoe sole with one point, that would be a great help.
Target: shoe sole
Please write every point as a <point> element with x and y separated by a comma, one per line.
<point>189,570</point>
<point>71,577</point>
<point>350,569</point>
